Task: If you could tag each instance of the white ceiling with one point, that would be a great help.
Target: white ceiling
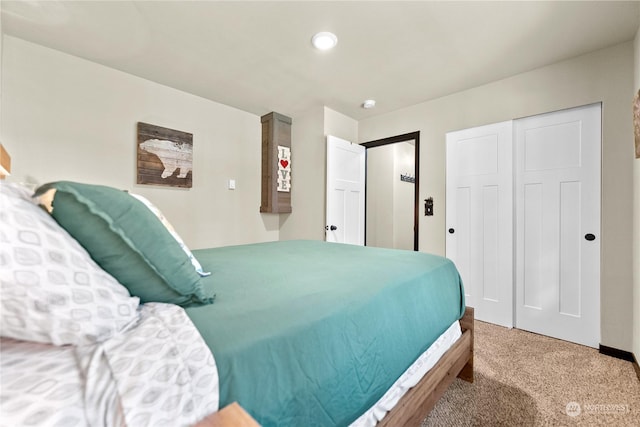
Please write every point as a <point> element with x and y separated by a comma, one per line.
<point>257,56</point>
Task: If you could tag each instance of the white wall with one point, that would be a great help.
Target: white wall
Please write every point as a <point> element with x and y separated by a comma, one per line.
<point>403,196</point>
<point>308,154</point>
<point>66,118</point>
<point>308,170</point>
<point>380,196</point>
<point>636,217</point>
<point>603,76</point>
<point>390,200</point>
<point>337,124</point>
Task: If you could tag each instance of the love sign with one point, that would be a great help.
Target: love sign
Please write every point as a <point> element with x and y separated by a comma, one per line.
<point>284,169</point>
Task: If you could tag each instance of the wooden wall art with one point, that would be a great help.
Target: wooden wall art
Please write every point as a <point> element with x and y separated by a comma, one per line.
<point>276,163</point>
<point>165,156</point>
<point>284,169</point>
<point>636,122</point>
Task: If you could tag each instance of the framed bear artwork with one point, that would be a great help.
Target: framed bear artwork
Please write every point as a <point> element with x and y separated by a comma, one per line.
<point>636,122</point>
<point>165,156</point>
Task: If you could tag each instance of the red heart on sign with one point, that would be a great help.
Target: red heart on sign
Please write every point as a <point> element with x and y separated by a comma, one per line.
<point>284,163</point>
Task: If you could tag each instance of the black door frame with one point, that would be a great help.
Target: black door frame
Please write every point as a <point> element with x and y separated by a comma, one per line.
<point>411,136</point>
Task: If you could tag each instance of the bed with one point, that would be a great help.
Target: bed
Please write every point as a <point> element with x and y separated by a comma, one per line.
<point>127,326</point>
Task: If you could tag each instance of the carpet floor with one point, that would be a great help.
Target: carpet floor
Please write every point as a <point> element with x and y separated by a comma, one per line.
<point>526,379</point>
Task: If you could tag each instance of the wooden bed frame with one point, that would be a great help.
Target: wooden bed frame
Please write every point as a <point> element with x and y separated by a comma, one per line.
<point>414,406</point>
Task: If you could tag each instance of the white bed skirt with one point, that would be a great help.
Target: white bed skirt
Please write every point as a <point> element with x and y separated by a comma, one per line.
<point>410,377</point>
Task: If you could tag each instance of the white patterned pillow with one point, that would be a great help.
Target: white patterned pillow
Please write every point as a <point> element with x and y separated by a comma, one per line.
<point>172,231</point>
<point>51,291</point>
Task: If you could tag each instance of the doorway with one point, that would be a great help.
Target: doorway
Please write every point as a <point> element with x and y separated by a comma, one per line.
<point>392,191</point>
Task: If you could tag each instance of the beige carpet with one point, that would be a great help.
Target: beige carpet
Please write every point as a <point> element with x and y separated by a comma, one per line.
<point>525,379</point>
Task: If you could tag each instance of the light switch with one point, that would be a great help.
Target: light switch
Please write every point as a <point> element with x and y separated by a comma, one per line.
<point>232,184</point>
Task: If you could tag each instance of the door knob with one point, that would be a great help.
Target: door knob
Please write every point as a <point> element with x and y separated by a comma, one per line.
<point>332,228</point>
<point>451,231</point>
<point>590,237</point>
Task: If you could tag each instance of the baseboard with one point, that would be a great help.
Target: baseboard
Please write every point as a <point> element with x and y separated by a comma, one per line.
<point>618,354</point>
<point>621,354</point>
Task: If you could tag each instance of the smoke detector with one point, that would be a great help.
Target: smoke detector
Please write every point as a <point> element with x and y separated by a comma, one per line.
<point>369,103</point>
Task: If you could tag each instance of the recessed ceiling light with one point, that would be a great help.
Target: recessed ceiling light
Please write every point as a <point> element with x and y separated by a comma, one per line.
<point>369,103</point>
<point>324,40</point>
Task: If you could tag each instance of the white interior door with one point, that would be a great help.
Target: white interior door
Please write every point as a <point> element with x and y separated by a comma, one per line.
<point>345,191</point>
<point>479,217</point>
<point>558,224</point>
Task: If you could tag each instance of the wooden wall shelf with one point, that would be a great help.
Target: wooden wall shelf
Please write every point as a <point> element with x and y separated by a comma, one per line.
<point>276,143</point>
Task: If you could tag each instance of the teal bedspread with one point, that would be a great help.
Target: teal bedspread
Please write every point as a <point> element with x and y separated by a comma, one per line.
<point>309,333</point>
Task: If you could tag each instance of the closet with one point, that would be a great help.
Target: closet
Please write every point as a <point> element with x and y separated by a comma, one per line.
<point>523,221</point>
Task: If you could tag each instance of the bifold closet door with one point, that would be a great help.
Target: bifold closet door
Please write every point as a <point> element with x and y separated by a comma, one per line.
<point>479,217</point>
<point>557,190</point>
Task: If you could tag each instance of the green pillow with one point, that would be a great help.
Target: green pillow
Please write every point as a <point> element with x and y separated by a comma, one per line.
<point>128,241</point>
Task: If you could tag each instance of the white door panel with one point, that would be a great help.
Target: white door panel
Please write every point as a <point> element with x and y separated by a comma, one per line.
<point>479,214</point>
<point>551,163</point>
<point>557,205</point>
<point>345,191</point>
